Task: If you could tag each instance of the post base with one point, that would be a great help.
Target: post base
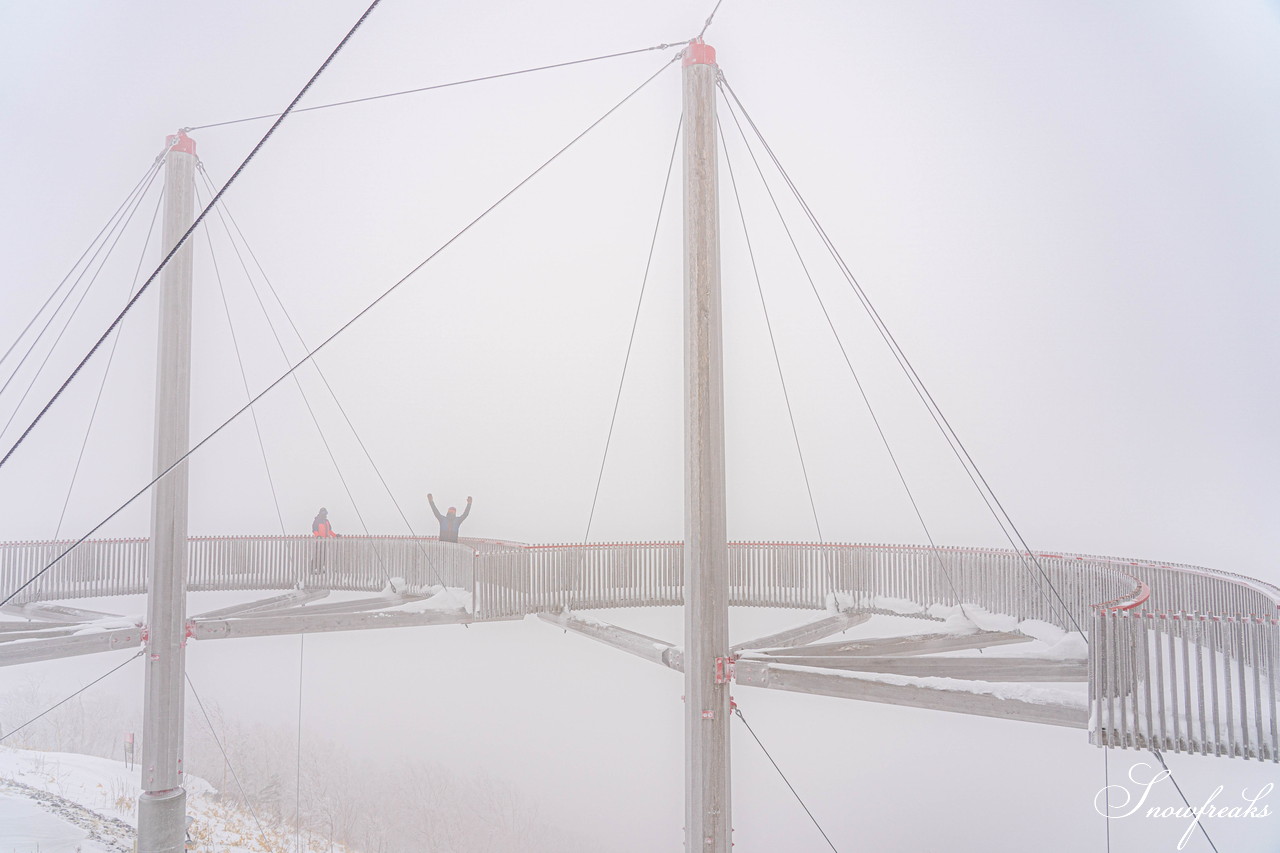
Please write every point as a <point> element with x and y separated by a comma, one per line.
<point>162,822</point>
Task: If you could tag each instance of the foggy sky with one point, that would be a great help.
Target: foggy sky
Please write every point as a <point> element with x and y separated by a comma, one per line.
<point>1066,215</point>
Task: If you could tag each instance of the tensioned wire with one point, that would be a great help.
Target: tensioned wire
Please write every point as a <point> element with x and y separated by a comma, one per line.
<point>432,88</point>
<point>106,371</point>
<point>635,322</point>
<point>933,548</point>
<point>302,638</point>
<point>1002,517</point>
<point>228,222</point>
<point>738,711</point>
<point>217,196</point>
<point>154,166</point>
<point>217,740</point>
<point>939,418</point>
<point>348,324</point>
<point>62,702</point>
<point>187,234</point>
<point>297,382</point>
<point>113,239</point>
<point>768,323</point>
<point>244,376</point>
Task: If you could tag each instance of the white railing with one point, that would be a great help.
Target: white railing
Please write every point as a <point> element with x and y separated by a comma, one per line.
<point>1181,658</point>
<point>1185,683</point>
<point>881,578</point>
<point>106,567</point>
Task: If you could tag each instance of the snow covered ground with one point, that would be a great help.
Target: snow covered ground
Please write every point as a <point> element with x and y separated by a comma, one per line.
<point>57,802</point>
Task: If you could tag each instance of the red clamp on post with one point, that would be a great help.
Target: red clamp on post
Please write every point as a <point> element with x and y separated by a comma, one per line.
<point>724,670</point>
<point>699,52</point>
<point>181,142</point>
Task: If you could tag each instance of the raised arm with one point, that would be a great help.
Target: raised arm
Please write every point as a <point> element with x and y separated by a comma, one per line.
<point>466,511</point>
<point>432,501</point>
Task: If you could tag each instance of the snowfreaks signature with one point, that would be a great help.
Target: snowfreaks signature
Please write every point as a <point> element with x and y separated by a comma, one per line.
<point>1114,810</point>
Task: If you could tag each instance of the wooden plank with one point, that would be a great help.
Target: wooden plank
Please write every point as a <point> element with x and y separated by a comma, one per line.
<point>775,677</point>
<point>969,669</point>
<point>806,633</point>
<point>916,644</point>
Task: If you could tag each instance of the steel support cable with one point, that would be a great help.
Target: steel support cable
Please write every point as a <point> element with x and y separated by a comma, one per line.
<point>154,166</point>
<point>244,376</point>
<point>118,220</point>
<point>944,426</point>
<point>106,371</point>
<point>226,758</point>
<point>301,393</point>
<point>56,705</point>
<point>115,240</point>
<point>710,18</point>
<point>884,439</point>
<point>311,354</point>
<point>1160,757</point>
<point>635,322</point>
<point>431,88</point>
<point>224,216</point>
<point>768,324</point>
<point>1002,517</point>
<point>738,712</point>
<point>183,239</point>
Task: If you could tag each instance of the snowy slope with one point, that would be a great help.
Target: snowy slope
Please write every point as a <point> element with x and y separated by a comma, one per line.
<point>56,802</point>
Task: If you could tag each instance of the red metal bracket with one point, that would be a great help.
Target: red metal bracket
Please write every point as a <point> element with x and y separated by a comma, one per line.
<point>725,670</point>
<point>699,53</point>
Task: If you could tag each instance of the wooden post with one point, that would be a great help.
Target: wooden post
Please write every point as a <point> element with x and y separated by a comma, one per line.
<point>162,805</point>
<point>706,552</point>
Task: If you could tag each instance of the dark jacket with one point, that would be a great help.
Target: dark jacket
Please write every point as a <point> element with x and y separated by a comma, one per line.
<point>449,524</point>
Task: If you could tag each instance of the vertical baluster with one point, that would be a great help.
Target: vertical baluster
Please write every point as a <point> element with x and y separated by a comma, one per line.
<point>1210,635</point>
<point>1255,645</point>
<point>1198,625</point>
<point>1110,680</point>
<point>1271,636</point>
<point>1175,713</point>
<point>1158,626</point>
<point>1144,670</point>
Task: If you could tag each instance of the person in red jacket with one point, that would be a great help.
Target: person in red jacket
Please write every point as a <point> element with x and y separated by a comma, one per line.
<point>321,527</point>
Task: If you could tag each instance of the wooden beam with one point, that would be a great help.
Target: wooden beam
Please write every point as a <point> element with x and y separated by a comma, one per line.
<point>631,642</point>
<point>806,633</point>
<point>968,669</point>
<point>359,605</point>
<point>65,647</point>
<point>777,677</point>
<point>308,623</point>
<point>916,644</point>
<point>39,631</point>
<point>278,602</point>
<point>56,613</point>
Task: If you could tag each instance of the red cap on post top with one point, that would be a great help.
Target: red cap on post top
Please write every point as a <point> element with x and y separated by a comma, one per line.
<point>181,142</point>
<point>699,53</point>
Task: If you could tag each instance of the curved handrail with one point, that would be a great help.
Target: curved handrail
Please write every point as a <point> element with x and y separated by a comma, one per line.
<point>510,578</point>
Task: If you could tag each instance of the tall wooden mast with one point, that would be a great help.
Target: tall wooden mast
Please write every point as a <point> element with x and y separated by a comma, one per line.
<point>162,806</point>
<point>706,552</point>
